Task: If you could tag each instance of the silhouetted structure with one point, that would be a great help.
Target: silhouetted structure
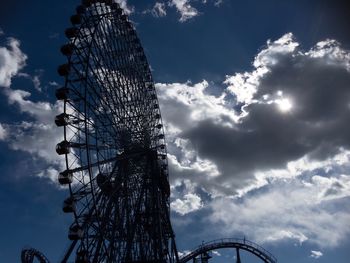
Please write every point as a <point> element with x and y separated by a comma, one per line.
<point>114,147</point>
<point>201,254</point>
<point>29,254</point>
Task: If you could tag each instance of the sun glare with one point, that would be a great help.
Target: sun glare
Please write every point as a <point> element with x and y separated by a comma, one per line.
<point>284,105</point>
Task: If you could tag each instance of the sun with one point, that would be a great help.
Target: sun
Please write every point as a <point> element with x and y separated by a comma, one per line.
<point>284,105</point>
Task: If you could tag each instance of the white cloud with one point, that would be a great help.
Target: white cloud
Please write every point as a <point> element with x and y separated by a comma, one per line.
<point>293,209</point>
<point>185,9</point>
<point>53,84</point>
<point>43,111</point>
<point>183,253</point>
<point>159,10</point>
<point>245,85</point>
<point>1,32</point>
<point>196,103</point>
<point>35,79</point>
<point>305,165</point>
<point>316,254</point>
<point>12,60</point>
<point>37,138</point>
<point>51,173</point>
<point>218,3</point>
<point>37,83</point>
<point>287,234</point>
<point>37,135</point>
<point>190,203</point>
<point>124,5</point>
<point>3,133</point>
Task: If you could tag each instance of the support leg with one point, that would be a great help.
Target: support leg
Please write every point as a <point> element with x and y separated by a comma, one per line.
<point>238,256</point>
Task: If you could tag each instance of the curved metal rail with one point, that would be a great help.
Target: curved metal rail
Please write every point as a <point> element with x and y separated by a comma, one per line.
<point>28,255</point>
<point>243,244</point>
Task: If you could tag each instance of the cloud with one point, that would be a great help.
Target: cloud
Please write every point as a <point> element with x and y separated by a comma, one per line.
<point>196,102</point>
<point>37,83</point>
<point>316,254</point>
<point>158,10</point>
<point>37,138</point>
<point>3,133</point>
<point>124,5</point>
<point>12,60</point>
<point>183,253</point>
<point>293,209</point>
<point>272,146</point>
<point>218,3</point>
<point>53,84</point>
<point>190,203</point>
<point>294,104</point>
<point>184,106</point>
<point>315,83</point>
<point>35,79</point>
<point>185,9</point>
<point>43,111</point>
<point>38,134</point>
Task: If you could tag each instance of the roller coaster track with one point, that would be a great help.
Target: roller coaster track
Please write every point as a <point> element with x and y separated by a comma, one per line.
<point>239,244</point>
<point>29,254</point>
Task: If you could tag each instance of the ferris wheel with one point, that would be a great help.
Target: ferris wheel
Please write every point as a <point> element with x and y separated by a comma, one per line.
<point>114,148</point>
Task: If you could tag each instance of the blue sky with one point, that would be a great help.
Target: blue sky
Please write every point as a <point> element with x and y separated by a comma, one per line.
<point>255,100</point>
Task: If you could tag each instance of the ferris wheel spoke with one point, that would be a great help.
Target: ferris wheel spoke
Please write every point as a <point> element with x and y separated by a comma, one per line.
<point>95,94</point>
<point>110,160</point>
<point>109,57</point>
<point>82,190</point>
<point>110,85</point>
<point>113,121</point>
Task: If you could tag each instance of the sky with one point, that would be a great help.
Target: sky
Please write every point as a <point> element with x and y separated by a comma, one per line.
<point>255,99</point>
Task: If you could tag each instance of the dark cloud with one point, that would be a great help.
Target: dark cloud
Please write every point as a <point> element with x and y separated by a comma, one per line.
<point>316,83</point>
<point>264,141</point>
<point>318,87</point>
